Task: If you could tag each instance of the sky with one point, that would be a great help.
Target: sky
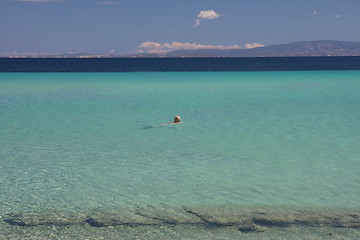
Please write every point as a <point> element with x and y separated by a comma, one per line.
<point>33,27</point>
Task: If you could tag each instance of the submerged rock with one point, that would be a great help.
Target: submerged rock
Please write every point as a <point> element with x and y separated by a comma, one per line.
<point>245,219</point>
<point>247,229</point>
<point>45,217</point>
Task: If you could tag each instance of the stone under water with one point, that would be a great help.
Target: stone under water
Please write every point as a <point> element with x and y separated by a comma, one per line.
<point>245,219</point>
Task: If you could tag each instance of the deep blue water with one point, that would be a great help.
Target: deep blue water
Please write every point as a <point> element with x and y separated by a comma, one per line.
<point>178,64</point>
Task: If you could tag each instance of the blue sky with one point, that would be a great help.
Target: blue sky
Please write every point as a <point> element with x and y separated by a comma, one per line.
<point>131,26</point>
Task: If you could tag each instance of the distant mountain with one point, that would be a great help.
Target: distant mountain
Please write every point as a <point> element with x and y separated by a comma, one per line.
<point>311,48</point>
<point>67,55</point>
<point>295,49</point>
<point>75,55</point>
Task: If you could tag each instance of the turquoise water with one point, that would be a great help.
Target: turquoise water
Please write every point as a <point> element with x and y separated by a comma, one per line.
<point>94,141</point>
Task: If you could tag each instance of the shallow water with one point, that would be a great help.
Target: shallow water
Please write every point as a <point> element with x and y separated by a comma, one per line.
<point>81,143</point>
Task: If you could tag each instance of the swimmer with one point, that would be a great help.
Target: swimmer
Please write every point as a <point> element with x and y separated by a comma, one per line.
<point>176,121</point>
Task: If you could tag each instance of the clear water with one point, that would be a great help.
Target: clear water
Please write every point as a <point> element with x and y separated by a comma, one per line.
<point>85,141</point>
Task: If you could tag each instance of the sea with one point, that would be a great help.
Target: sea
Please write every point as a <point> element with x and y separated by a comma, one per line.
<point>267,148</point>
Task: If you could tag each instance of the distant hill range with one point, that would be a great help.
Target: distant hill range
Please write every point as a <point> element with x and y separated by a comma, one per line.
<point>296,49</point>
<point>312,48</point>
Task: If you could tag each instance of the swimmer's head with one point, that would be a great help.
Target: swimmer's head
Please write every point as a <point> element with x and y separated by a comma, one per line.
<point>176,119</point>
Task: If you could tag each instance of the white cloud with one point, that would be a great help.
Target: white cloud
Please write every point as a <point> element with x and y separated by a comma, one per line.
<point>253,45</point>
<point>154,47</point>
<point>206,15</point>
<point>337,16</point>
<point>210,14</point>
<point>197,22</point>
<point>315,12</point>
